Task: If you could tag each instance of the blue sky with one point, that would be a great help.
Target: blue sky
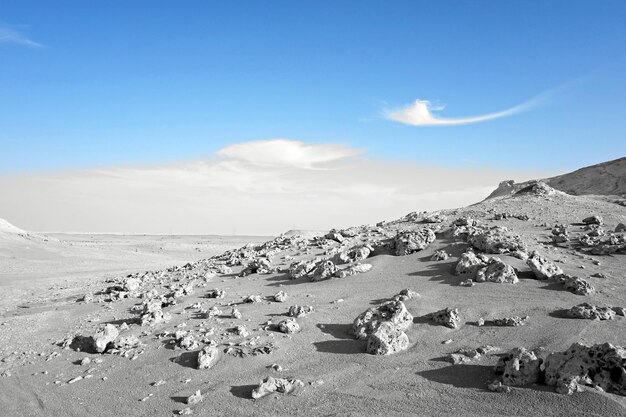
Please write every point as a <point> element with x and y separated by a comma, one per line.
<point>151,82</point>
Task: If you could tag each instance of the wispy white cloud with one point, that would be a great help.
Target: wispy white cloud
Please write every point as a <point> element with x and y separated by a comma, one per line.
<point>253,187</point>
<point>287,152</point>
<point>9,35</point>
<point>420,113</point>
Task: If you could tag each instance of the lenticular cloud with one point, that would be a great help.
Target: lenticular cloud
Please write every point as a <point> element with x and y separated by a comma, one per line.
<point>419,113</point>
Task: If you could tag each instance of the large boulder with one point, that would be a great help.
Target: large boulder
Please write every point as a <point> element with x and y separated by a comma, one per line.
<point>394,312</point>
<point>104,336</point>
<point>496,240</point>
<point>591,312</point>
<point>574,285</point>
<point>497,271</point>
<point>386,340</point>
<point>406,243</point>
<point>207,357</point>
<point>541,267</point>
<point>353,270</point>
<point>601,365</point>
<point>469,264</point>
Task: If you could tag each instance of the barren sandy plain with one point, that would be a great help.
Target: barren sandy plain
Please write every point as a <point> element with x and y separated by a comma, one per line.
<point>47,324</point>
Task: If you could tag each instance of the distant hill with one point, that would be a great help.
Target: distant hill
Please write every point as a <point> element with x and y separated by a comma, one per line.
<point>607,178</point>
<point>8,228</point>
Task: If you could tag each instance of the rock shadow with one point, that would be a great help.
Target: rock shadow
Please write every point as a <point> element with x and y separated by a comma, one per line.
<point>345,343</point>
<point>186,359</point>
<point>440,271</point>
<point>462,376</point>
<point>242,391</point>
<point>285,279</point>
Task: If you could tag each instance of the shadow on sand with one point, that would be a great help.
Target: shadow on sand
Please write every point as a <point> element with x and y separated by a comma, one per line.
<point>461,376</point>
<point>345,343</point>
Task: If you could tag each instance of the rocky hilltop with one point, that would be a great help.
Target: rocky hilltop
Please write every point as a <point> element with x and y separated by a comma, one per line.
<point>512,306</point>
<point>607,178</point>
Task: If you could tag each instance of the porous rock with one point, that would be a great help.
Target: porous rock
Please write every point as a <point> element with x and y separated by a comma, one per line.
<point>519,367</point>
<point>289,326</point>
<point>448,317</point>
<point>386,340</point>
<point>469,263</point>
<point>601,365</point>
<point>207,357</point>
<point>394,312</point>
<point>591,312</point>
<point>497,271</point>
<point>408,242</point>
<point>541,267</point>
<point>495,240</point>
<point>103,336</point>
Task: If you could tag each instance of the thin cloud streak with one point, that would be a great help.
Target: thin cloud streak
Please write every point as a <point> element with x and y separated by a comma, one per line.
<point>8,35</point>
<point>420,113</point>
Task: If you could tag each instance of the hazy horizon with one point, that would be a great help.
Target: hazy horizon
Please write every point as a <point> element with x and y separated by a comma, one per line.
<point>261,119</point>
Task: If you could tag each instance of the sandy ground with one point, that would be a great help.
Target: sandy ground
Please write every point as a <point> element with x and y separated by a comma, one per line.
<point>340,378</point>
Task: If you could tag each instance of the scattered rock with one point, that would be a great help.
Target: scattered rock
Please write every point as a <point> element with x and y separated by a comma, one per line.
<point>591,312</point>
<point>103,337</point>
<point>300,269</point>
<point>448,317</point>
<point>514,321</point>
<point>439,255</point>
<point>195,398</point>
<point>353,270</point>
<point>216,293</point>
<point>251,299</point>
<point>574,285</point>
<point>299,311</point>
<point>207,357</point>
<point>289,326</point>
<point>280,297</point>
<point>541,267</point>
<point>519,367</point>
<point>497,271</point>
<point>280,385</point>
<point>593,220</point>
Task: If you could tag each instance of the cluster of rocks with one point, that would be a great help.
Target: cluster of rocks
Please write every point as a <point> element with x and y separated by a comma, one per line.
<point>602,366</point>
<point>497,240</point>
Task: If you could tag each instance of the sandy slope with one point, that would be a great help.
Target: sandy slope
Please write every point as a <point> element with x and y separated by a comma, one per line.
<point>340,379</point>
